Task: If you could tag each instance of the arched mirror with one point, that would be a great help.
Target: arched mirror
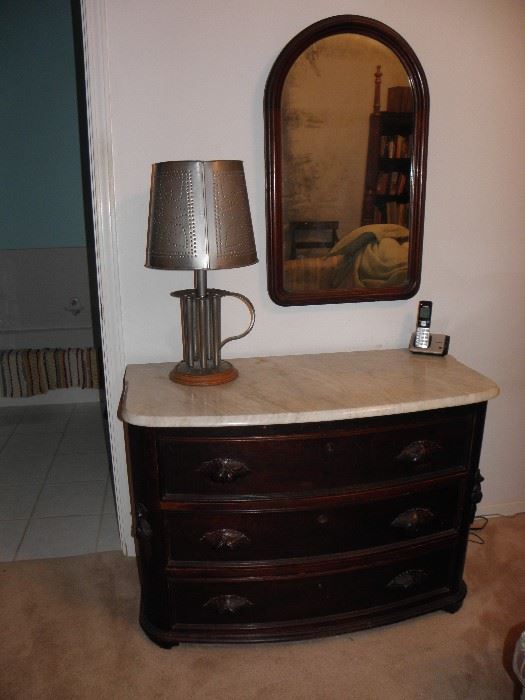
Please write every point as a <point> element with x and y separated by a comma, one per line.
<point>346,127</point>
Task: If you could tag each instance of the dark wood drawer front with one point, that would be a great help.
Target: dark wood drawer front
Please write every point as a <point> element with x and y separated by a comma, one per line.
<point>223,602</point>
<point>338,459</point>
<point>221,536</point>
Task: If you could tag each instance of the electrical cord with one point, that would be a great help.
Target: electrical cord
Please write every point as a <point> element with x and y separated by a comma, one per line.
<point>474,529</point>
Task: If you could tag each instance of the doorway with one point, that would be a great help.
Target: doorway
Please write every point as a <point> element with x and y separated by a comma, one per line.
<point>57,496</point>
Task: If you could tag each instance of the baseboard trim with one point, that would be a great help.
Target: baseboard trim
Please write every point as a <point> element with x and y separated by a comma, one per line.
<point>56,396</point>
<point>510,508</point>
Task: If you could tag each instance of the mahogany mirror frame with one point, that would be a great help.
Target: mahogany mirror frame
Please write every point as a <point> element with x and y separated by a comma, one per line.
<point>342,24</point>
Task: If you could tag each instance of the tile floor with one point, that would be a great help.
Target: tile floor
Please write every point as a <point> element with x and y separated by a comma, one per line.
<point>56,496</point>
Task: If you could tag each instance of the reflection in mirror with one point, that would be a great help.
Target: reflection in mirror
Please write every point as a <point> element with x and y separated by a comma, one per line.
<point>346,145</point>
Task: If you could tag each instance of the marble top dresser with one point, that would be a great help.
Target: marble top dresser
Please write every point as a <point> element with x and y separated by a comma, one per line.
<point>315,494</point>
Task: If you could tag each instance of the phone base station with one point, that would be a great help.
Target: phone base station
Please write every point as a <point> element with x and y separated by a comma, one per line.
<point>438,344</point>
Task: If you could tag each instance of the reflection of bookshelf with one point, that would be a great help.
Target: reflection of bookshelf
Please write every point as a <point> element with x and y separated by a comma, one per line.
<point>387,179</point>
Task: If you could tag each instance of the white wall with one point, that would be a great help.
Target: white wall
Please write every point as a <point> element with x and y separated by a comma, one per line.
<point>45,298</point>
<point>40,288</point>
<point>187,82</point>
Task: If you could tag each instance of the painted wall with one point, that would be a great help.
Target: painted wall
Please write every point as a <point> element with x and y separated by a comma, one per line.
<point>45,298</point>
<point>187,82</point>
<point>41,194</point>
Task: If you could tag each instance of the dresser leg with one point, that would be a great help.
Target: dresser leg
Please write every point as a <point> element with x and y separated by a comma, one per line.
<point>153,633</point>
<point>159,640</point>
<point>456,605</point>
<point>164,645</point>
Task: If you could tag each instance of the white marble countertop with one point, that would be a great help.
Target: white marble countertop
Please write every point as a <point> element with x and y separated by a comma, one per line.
<point>303,388</point>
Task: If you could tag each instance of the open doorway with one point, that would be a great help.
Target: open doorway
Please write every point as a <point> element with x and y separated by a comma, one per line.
<point>55,473</point>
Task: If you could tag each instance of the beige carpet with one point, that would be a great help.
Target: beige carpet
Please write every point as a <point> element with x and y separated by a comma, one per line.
<point>68,629</point>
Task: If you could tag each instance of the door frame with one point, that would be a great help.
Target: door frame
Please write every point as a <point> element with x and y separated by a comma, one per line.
<point>98,103</point>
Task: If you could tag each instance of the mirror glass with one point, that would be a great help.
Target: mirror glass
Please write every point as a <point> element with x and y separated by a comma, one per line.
<point>346,111</point>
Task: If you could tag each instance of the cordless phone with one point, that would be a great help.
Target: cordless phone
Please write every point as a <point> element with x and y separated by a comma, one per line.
<point>424,314</point>
<point>422,340</point>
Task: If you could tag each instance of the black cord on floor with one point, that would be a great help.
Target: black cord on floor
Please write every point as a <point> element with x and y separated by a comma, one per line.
<point>473,530</point>
<point>483,525</point>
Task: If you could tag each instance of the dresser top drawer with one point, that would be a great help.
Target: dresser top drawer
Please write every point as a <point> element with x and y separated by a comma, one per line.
<point>315,458</point>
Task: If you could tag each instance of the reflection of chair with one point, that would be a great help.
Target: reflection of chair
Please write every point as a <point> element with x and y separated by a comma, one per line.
<point>309,235</point>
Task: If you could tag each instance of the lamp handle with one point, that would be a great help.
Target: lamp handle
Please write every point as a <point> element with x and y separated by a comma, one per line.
<point>249,304</point>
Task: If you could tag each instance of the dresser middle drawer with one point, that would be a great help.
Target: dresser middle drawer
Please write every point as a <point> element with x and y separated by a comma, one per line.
<point>272,533</point>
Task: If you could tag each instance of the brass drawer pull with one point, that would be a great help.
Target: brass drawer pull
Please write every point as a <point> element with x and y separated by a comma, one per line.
<point>227,604</point>
<point>414,520</point>
<point>419,451</point>
<point>223,470</point>
<point>225,538</point>
<point>408,580</point>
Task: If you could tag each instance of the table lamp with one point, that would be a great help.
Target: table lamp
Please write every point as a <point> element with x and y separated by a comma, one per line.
<point>199,219</point>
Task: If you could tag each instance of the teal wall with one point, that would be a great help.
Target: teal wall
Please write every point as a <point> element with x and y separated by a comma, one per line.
<point>40,177</point>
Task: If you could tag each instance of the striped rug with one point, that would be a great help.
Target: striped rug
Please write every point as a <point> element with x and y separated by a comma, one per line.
<point>31,372</point>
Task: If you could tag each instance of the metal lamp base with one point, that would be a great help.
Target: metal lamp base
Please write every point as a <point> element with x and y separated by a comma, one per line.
<point>182,373</point>
<point>201,335</point>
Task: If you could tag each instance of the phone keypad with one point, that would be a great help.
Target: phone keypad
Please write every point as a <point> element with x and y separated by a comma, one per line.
<point>422,338</point>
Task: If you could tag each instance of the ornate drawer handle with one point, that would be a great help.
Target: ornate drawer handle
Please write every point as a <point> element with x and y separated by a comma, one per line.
<point>224,470</point>
<point>414,520</point>
<point>329,448</point>
<point>419,451</point>
<point>229,604</point>
<point>407,580</point>
<point>225,539</point>
<point>143,529</point>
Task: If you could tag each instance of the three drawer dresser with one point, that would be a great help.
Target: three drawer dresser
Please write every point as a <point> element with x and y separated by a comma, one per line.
<point>314,495</point>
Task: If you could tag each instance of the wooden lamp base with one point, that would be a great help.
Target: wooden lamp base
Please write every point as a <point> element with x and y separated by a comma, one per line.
<point>183,374</point>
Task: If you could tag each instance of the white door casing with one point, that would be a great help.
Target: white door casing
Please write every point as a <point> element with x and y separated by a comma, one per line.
<point>95,37</point>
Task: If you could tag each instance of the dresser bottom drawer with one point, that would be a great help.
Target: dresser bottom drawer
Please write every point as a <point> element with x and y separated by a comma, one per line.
<point>274,599</point>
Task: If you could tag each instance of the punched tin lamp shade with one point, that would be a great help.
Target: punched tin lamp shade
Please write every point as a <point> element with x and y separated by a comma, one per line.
<point>199,216</point>
<point>199,219</point>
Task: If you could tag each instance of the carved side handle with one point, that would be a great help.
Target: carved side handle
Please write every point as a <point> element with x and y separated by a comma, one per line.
<point>412,521</point>
<point>144,533</point>
<point>224,538</point>
<point>228,604</point>
<point>407,580</point>
<point>477,494</point>
<point>223,470</point>
<point>419,451</point>
<point>143,529</point>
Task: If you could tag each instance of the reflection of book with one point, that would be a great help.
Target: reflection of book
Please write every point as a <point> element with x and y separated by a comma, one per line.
<point>394,179</point>
<point>396,213</point>
<point>391,213</point>
<point>401,183</point>
<point>382,183</point>
<point>397,146</point>
<point>402,150</point>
